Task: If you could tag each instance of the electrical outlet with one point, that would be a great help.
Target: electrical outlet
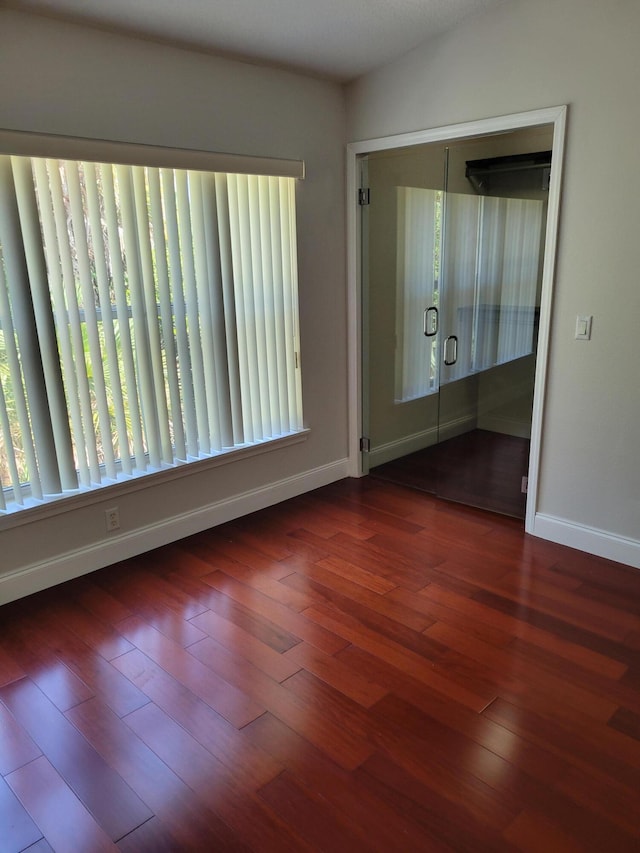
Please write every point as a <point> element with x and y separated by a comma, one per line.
<point>112,518</point>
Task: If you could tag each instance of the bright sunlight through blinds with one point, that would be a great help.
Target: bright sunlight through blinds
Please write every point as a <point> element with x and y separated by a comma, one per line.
<point>148,318</point>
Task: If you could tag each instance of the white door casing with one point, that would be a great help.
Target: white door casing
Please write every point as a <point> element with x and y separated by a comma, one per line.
<point>555,116</point>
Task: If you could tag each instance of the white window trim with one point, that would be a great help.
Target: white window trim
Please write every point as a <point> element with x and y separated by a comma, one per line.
<point>106,493</point>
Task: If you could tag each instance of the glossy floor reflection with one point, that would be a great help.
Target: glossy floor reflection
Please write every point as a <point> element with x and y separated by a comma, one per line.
<point>364,668</point>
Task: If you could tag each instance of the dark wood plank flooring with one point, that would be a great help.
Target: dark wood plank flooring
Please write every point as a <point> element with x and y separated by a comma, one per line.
<point>479,468</point>
<point>363,668</point>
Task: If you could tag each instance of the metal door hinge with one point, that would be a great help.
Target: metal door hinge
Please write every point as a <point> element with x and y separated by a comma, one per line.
<point>365,444</point>
<point>364,196</point>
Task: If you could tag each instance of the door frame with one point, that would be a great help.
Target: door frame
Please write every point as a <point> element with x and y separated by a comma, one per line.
<point>555,116</point>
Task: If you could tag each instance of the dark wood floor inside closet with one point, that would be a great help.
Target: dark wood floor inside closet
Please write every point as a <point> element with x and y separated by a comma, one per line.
<point>363,668</point>
<point>478,468</point>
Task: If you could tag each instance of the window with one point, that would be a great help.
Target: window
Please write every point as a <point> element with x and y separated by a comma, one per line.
<point>148,318</point>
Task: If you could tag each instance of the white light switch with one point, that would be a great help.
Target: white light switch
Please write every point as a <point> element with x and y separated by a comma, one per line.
<point>583,328</point>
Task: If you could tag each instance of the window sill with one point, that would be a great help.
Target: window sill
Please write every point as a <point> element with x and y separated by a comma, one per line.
<point>99,494</point>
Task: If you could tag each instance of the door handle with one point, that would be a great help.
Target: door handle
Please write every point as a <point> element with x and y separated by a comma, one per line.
<point>430,321</point>
<point>451,349</point>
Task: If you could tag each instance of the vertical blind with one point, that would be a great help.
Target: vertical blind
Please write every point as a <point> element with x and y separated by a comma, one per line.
<point>148,318</point>
<point>478,259</point>
<point>417,276</point>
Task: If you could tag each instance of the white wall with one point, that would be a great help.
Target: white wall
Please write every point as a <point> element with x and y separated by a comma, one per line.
<point>60,78</point>
<point>520,56</point>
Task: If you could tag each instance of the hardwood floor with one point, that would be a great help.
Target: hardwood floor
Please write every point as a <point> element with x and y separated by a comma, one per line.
<point>363,668</point>
<point>478,468</point>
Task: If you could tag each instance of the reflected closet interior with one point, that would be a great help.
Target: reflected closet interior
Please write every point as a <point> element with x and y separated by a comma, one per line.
<point>452,257</point>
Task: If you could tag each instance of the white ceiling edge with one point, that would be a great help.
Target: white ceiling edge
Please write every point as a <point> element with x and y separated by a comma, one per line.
<point>337,40</point>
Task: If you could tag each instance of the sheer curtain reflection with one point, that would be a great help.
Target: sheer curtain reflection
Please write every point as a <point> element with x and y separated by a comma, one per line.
<point>478,259</point>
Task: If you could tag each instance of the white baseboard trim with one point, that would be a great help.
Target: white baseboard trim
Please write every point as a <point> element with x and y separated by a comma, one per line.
<point>78,562</point>
<point>506,426</point>
<point>402,446</point>
<point>457,426</point>
<point>589,539</point>
<point>419,440</point>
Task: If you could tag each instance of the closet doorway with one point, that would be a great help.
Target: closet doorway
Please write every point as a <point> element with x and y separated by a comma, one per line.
<point>454,235</point>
